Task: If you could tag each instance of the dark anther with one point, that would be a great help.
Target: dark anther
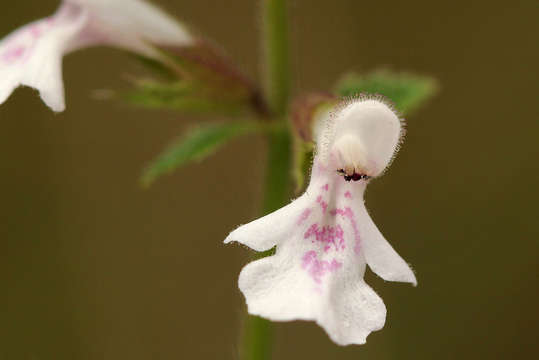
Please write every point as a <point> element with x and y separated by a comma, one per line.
<point>355,176</point>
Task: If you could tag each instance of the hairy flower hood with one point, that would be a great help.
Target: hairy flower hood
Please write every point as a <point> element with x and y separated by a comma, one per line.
<point>325,238</point>
<point>32,55</point>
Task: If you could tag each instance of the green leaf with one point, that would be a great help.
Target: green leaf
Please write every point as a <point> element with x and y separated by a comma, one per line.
<point>196,145</point>
<point>179,95</point>
<point>407,91</point>
<point>156,67</point>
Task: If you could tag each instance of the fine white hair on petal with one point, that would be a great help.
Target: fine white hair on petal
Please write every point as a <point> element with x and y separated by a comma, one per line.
<point>321,128</point>
<point>369,121</point>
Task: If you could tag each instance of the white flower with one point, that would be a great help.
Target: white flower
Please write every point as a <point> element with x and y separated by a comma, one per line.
<point>32,55</point>
<point>325,238</point>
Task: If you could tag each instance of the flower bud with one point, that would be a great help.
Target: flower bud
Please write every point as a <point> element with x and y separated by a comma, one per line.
<point>307,112</point>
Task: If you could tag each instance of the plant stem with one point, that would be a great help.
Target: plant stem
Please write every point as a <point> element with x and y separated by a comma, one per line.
<point>275,50</point>
<point>257,336</point>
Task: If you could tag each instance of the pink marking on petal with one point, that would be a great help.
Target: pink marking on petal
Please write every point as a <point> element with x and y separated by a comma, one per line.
<point>326,187</point>
<point>323,204</point>
<point>35,31</point>
<point>330,236</point>
<point>348,195</point>
<point>29,37</point>
<point>304,215</point>
<point>349,214</point>
<point>307,259</point>
<point>13,54</point>
<point>335,265</point>
<point>317,269</point>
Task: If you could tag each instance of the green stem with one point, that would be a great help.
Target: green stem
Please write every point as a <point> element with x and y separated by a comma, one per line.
<point>257,336</point>
<point>275,50</point>
<point>277,191</point>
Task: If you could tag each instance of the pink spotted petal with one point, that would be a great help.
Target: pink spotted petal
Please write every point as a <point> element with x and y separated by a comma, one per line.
<point>324,241</point>
<point>32,55</point>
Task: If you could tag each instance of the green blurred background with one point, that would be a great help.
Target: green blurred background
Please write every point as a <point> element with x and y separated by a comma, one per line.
<point>93,267</point>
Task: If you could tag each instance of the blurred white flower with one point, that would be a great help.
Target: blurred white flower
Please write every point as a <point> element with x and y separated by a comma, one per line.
<point>325,238</point>
<point>32,55</point>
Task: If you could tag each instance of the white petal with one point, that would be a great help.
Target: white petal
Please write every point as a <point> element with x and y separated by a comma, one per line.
<point>380,256</point>
<point>9,81</point>
<point>377,126</point>
<point>32,55</point>
<point>364,134</point>
<point>343,304</point>
<point>354,311</point>
<point>317,270</point>
<point>266,232</point>
<point>133,25</point>
<point>44,73</point>
<point>278,289</point>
